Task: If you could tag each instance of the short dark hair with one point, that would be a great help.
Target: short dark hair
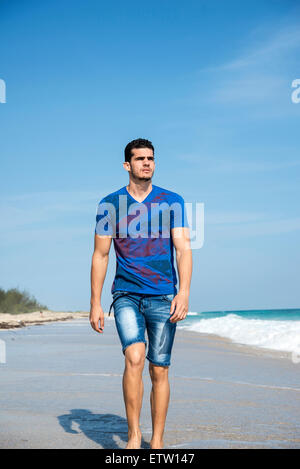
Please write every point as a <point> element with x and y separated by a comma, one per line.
<point>138,143</point>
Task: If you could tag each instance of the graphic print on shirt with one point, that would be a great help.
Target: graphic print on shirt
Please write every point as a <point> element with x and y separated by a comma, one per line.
<point>142,238</point>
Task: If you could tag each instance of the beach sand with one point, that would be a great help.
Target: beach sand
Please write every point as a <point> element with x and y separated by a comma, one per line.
<point>61,387</point>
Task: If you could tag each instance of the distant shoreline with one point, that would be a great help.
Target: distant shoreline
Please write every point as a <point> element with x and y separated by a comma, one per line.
<point>13,321</point>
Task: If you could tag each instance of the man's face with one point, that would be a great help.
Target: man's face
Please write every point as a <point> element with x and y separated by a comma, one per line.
<point>142,164</point>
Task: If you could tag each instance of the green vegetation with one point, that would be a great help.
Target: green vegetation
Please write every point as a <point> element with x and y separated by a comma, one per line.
<point>14,301</point>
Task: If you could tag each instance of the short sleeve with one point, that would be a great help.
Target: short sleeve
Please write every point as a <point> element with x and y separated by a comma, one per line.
<point>105,219</point>
<point>178,216</point>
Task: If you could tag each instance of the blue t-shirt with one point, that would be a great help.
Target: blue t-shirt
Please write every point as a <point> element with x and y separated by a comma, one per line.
<point>142,238</point>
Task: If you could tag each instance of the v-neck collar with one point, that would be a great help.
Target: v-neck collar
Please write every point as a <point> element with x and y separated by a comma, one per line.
<point>142,200</point>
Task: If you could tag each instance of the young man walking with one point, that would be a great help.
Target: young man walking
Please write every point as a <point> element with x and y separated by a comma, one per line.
<point>145,222</point>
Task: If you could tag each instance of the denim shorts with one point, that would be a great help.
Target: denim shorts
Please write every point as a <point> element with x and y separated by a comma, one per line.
<point>134,313</point>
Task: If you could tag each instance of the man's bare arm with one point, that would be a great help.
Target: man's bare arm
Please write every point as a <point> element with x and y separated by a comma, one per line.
<point>184,260</point>
<point>98,272</point>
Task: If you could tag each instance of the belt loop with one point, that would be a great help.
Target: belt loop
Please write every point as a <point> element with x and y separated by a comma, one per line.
<point>142,297</point>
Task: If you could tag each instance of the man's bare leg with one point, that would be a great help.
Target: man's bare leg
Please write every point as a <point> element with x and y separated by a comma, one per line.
<point>133,390</point>
<point>159,400</point>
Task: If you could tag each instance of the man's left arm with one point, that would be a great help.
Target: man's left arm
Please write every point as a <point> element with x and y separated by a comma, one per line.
<point>184,260</point>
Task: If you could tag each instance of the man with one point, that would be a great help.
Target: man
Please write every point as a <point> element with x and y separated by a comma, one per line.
<point>144,288</point>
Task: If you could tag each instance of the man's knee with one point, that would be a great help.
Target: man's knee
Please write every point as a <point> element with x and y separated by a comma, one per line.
<point>158,373</point>
<point>135,355</point>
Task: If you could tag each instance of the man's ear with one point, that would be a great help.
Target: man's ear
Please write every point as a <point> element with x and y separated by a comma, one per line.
<point>126,166</point>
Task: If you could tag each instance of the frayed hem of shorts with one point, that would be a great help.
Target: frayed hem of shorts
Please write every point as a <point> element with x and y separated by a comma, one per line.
<point>134,342</point>
<point>158,364</point>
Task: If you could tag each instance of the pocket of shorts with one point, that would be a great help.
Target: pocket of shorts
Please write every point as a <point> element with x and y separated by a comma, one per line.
<point>169,297</point>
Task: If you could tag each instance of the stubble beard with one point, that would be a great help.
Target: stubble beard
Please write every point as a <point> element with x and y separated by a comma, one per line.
<point>136,177</point>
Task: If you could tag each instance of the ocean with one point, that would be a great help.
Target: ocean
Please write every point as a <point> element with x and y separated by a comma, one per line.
<point>276,329</point>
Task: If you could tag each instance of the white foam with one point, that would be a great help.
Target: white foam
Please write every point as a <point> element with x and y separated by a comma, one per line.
<point>276,335</point>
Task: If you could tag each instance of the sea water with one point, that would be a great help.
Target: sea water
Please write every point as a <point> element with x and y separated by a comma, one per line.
<point>277,329</point>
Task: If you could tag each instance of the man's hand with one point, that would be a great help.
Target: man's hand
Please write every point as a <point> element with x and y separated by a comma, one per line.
<point>181,303</point>
<point>96,315</point>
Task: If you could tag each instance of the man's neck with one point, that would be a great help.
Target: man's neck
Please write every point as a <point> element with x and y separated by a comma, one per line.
<point>139,190</point>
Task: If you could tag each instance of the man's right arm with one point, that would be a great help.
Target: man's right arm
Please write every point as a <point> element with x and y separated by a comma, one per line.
<point>98,272</point>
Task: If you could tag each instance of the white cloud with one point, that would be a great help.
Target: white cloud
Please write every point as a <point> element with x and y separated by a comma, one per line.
<point>265,51</point>
<point>261,75</point>
<point>225,164</point>
<point>240,227</point>
<point>232,217</point>
<point>24,210</point>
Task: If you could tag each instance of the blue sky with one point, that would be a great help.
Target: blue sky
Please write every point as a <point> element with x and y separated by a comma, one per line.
<point>208,82</point>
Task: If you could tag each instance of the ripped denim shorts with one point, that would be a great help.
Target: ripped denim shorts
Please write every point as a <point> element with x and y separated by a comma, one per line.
<point>136,313</point>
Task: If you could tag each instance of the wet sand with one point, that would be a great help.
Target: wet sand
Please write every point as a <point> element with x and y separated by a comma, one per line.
<point>61,387</point>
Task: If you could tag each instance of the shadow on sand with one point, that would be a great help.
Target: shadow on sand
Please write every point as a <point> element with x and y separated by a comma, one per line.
<point>100,428</point>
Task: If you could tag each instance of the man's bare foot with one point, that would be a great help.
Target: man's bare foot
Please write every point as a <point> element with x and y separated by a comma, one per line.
<point>156,444</point>
<point>134,440</point>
